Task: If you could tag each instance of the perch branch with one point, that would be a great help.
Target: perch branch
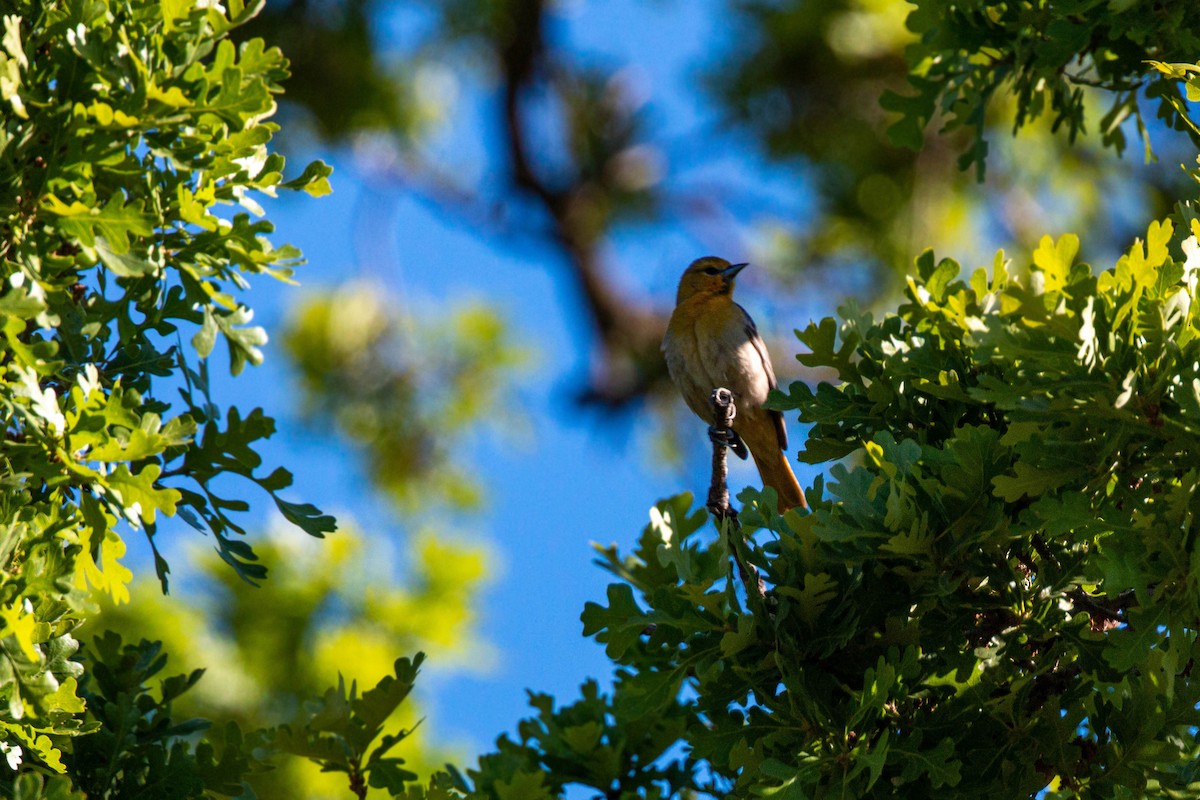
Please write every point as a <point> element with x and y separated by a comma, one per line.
<point>721,433</point>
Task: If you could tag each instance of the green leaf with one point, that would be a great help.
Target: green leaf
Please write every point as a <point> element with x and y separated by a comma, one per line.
<point>817,592</point>
<point>649,692</point>
<point>173,11</point>
<point>206,337</point>
<point>18,304</point>
<point>307,517</point>
<point>139,444</point>
<point>314,179</point>
<point>821,339</point>
<point>98,561</point>
<point>1030,481</point>
<point>115,222</point>
<point>1127,648</point>
<point>239,98</point>
<point>619,624</point>
<point>126,264</point>
<point>915,112</point>
<point>524,786</point>
<point>138,493</point>
<point>388,774</point>
<point>243,340</point>
<point>378,703</point>
<point>672,522</point>
<point>938,764</point>
<point>1055,259</point>
<point>583,738</point>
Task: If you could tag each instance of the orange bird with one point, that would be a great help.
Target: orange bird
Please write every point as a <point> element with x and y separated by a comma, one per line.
<point>712,342</point>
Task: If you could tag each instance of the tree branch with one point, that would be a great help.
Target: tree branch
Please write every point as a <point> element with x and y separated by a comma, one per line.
<point>724,410</point>
<point>629,333</point>
<point>1106,613</point>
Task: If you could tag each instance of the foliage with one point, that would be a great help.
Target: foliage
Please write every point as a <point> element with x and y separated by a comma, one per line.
<point>139,750</point>
<point>1175,102</point>
<point>406,390</point>
<point>334,607</point>
<point>338,731</point>
<point>805,78</point>
<point>576,154</point>
<point>1044,55</point>
<point>126,125</point>
<point>612,745</point>
<point>995,593</point>
<point>339,78</point>
<point>136,747</point>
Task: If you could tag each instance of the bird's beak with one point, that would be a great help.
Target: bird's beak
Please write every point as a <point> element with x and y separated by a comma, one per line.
<point>730,272</point>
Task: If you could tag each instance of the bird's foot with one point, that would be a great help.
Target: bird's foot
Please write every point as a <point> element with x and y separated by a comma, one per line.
<point>729,438</point>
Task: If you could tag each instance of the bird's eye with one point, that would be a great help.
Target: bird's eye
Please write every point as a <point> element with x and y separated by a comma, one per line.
<point>712,271</point>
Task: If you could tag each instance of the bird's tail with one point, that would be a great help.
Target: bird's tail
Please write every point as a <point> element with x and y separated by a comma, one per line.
<point>777,473</point>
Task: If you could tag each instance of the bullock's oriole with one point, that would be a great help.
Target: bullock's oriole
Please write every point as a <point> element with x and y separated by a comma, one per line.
<point>712,342</point>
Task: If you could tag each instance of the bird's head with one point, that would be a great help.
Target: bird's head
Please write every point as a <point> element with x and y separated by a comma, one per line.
<point>708,275</point>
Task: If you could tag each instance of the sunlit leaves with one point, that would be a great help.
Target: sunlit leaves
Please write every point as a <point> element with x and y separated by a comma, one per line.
<point>97,563</point>
<point>1046,57</point>
<point>114,221</point>
<point>131,124</point>
<point>1091,429</point>
<point>1055,259</point>
<point>314,180</point>
<point>1189,76</point>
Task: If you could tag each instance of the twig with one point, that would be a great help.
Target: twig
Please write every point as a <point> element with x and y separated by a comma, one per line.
<point>358,782</point>
<point>1106,613</point>
<point>724,410</point>
<point>1043,550</point>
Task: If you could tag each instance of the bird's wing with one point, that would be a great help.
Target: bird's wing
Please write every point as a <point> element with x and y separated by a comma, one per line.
<point>756,340</point>
<point>761,348</point>
<point>685,365</point>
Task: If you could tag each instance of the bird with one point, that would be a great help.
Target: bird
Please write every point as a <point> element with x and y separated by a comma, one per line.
<point>712,342</point>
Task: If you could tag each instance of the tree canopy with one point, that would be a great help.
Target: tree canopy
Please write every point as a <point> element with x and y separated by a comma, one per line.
<point>995,592</point>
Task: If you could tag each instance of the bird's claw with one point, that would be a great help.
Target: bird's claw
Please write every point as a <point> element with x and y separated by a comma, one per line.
<point>729,438</point>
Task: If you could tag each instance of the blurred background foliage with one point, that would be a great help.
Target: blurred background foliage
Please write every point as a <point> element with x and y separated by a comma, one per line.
<point>332,607</point>
<point>404,389</point>
<point>567,158</point>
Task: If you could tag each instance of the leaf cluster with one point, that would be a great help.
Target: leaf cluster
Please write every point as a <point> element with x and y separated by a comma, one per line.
<point>343,732</point>
<point>139,749</point>
<point>127,126</point>
<point>617,746</point>
<point>335,606</point>
<point>1045,55</point>
<point>134,746</point>
<point>994,594</point>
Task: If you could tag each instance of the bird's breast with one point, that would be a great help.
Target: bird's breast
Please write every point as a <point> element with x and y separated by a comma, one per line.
<point>708,344</point>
